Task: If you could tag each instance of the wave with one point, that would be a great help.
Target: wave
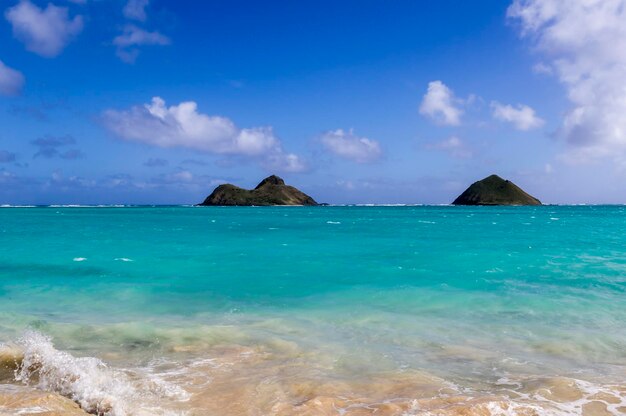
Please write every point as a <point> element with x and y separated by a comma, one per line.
<point>256,380</point>
<point>88,381</point>
<point>86,206</point>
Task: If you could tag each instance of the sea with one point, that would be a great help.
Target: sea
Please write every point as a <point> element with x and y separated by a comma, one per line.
<point>330,310</point>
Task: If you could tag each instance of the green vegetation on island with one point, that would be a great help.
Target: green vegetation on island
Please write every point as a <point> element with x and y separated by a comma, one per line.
<point>271,191</point>
<point>493,190</point>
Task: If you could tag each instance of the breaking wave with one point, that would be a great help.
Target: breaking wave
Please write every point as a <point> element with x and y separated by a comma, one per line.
<point>96,387</point>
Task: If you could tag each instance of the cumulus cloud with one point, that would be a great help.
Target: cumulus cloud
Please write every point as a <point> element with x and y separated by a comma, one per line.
<point>284,162</point>
<point>60,188</point>
<point>136,10</point>
<point>522,117</point>
<point>584,43</point>
<point>134,36</point>
<point>184,126</point>
<point>11,80</point>
<point>542,68</point>
<point>347,145</point>
<point>7,178</point>
<point>454,146</point>
<point>180,179</point>
<point>44,31</point>
<point>440,104</point>
<point>51,146</point>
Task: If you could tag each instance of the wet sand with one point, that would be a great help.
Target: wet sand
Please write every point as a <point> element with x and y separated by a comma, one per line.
<point>230,380</point>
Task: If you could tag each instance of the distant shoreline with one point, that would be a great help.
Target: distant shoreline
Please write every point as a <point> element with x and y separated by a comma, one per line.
<point>292,206</point>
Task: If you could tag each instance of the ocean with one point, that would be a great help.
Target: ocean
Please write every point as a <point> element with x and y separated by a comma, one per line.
<point>338,310</point>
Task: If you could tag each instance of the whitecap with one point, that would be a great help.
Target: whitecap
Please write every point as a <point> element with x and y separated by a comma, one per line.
<point>96,387</point>
<point>333,222</point>
<point>123,259</point>
<point>80,258</point>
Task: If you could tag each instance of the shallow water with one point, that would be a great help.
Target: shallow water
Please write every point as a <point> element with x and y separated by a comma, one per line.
<point>322,310</point>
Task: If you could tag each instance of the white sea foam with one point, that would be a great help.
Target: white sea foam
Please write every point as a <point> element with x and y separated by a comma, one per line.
<point>126,259</point>
<point>86,206</point>
<point>333,222</point>
<point>79,258</point>
<point>103,390</point>
<point>590,392</point>
<point>88,381</point>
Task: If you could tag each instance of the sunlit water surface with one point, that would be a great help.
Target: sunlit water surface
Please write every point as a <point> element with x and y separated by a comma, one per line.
<point>320,310</point>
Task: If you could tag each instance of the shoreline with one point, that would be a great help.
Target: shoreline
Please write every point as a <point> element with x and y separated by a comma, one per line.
<point>230,380</point>
<point>306,312</point>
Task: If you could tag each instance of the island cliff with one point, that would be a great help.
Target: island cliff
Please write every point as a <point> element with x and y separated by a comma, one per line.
<point>493,190</point>
<point>271,191</point>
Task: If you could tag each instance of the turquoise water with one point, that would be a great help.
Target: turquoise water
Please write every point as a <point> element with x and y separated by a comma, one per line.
<point>472,295</point>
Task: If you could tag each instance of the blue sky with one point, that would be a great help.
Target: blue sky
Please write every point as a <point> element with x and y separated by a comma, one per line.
<point>157,102</point>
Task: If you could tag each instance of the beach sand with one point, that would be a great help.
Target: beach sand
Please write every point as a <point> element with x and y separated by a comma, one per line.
<point>284,380</point>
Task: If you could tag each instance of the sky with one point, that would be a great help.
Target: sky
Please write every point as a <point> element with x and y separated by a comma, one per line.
<point>159,101</point>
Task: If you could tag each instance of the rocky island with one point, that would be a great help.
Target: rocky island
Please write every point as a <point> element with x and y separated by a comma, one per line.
<point>493,190</point>
<point>271,191</point>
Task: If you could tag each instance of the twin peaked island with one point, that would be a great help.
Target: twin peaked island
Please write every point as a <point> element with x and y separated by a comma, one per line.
<point>493,190</point>
<point>271,191</point>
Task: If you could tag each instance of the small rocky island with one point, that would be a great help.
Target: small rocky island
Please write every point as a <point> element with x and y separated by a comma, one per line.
<point>493,190</point>
<point>271,191</point>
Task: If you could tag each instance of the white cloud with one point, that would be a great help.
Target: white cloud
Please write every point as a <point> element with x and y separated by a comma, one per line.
<point>44,31</point>
<point>134,36</point>
<point>523,117</point>
<point>542,68</point>
<point>183,126</point>
<point>11,80</point>
<point>347,145</point>
<point>585,44</point>
<point>285,162</point>
<point>440,104</point>
<point>136,10</point>
<point>182,176</point>
<point>454,146</point>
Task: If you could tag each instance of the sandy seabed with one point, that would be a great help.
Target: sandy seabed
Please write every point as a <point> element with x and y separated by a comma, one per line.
<point>244,380</point>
